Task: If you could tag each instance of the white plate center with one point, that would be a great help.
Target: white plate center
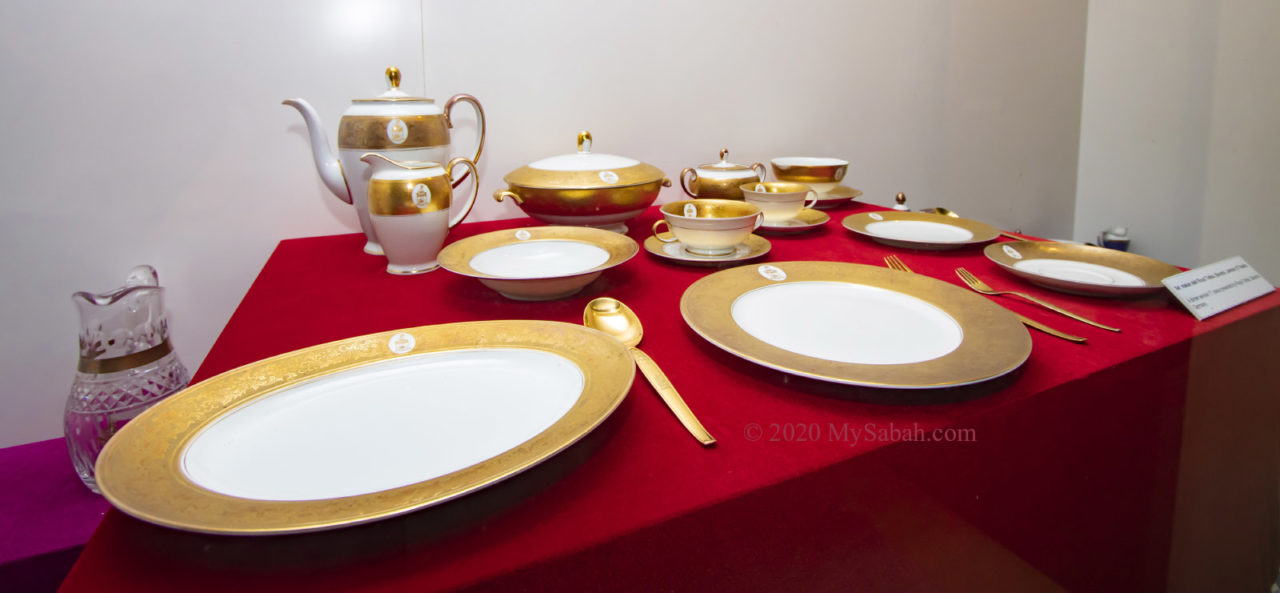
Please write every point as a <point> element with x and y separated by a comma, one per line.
<point>845,322</point>
<point>920,231</point>
<point>385,425</point>
<point>539,259</point>
<point>1076,271</point>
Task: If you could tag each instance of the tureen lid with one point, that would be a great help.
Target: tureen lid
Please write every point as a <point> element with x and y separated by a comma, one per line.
<point>584,169</point>
<point>393,92</point>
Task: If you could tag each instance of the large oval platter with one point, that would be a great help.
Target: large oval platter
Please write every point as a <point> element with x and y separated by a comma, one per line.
<point>856,325</point>
<point>364,429</point>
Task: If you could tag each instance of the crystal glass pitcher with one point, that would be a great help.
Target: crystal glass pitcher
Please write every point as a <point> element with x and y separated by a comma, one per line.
<point>126,365</point>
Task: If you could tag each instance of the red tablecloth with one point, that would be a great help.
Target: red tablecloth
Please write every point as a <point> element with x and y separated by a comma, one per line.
<point>1062,476</point>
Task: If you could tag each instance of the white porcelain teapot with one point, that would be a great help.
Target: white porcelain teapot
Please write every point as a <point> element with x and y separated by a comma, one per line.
<point>395,125</point>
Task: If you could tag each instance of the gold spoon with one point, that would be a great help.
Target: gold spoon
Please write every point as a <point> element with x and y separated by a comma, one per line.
<point>619,321</point>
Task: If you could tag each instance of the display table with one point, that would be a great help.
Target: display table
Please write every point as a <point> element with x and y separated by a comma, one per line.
<point>1071,474</point>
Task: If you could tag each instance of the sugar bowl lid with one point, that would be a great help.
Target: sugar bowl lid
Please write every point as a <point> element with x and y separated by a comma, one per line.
<point>583,170</point>
<point>724,165</point>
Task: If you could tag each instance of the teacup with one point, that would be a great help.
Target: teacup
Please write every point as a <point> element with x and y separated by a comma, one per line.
<point>819,173</point>
<point>779,201</point>
<point>709,227</point>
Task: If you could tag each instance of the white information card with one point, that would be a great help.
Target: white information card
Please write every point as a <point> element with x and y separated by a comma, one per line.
<point>1212,289</point>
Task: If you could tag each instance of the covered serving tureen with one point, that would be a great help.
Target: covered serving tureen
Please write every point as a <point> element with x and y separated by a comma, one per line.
<point>584,188</point>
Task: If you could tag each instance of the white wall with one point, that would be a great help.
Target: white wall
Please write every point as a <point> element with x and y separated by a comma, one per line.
<point>152,132</point>
<point>1180,131</point>
<point>968,104</point>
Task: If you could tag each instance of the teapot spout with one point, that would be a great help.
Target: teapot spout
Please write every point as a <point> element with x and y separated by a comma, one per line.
<point>327,164</point>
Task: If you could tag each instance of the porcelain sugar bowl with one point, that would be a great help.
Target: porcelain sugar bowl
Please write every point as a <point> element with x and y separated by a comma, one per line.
<point>393,124</point>
<point>584,188</point>
<point>719,180</point>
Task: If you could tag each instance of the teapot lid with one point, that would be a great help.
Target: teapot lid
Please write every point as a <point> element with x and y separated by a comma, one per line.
<point>393,92</point>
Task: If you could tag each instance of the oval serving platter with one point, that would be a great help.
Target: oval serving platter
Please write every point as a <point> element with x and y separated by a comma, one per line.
<point>365,428</point>
<point>856,325</point>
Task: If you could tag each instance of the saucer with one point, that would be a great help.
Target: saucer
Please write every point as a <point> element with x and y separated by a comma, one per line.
<point>808,220</point>
<point>837,196</point>
<point>754,247</point>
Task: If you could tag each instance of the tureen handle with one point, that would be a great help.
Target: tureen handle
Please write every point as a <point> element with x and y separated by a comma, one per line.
<point>584,141</point>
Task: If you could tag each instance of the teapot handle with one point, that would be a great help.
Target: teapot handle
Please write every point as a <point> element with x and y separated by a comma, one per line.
<point>475,186</point>
<point>448,120</point>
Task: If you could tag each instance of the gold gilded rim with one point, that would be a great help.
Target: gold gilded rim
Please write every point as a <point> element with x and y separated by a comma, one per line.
<point>139,469</point>
<point>1150,271</point>
<point>753,247</point>
<point>457,256</point>
<point>982,232</point>
<point>807,220</point>
<point>839,194</point>
<point>994,343</point>
<point>638,174</point>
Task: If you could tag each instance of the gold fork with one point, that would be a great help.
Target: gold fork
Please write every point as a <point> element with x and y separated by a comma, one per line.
<point>897,264</point>
<point>982,287</point>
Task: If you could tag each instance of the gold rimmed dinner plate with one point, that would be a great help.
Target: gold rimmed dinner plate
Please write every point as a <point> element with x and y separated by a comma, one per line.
<point>919,230</point>
<point>365,428</point>
<point>837,196</point>
<point>807,220</point>
<point>856,324</point>
<point>1081,269</point>
<point>754,247</point>
<point>538,263</point>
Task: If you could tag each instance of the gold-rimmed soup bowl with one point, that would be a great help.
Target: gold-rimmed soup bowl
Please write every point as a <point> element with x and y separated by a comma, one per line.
<point>779,201</point>
<point>822,174</point>
<point>708,227</point>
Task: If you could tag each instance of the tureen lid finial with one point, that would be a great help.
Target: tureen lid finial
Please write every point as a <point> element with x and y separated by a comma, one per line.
<point>393,78</point>
<point>584,141</point>
<point>724,152</point>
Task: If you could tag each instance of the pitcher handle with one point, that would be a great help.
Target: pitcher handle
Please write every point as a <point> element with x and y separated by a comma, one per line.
<point>475,186</point>
<point>448,120</point>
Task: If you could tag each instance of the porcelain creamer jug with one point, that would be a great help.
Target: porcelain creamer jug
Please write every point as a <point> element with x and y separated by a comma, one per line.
<point>409,209</point>
<point>394,125</point>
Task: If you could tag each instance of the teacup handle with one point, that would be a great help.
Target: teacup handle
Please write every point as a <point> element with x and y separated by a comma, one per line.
<point>811,202</point>
<point>475,185</point>
<point>759,220</point>
<point>693,176</point>
<point>448,121</point>
<point>659,237</point>
<point>759,169</point>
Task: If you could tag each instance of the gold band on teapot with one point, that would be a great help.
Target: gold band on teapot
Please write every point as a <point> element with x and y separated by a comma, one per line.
<point>100,366</point>
<point>377,132</point>
<point>395,197</point>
